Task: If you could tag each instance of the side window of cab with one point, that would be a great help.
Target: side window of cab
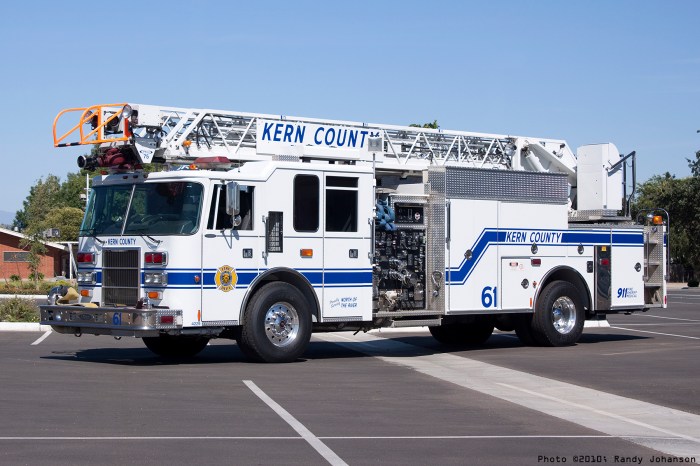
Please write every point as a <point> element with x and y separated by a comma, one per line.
<point>220,220</point>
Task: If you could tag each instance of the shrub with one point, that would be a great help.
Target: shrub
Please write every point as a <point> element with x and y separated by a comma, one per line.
<point>15,278</point>
<point>693,283</point>
<point>18,310</point>
<point>45,287</point>
<point>40,275</point>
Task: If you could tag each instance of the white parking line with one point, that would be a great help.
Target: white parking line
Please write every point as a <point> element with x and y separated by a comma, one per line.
<point>150,438</point>
<point>657,333</point>
<point>328,454</point>
<point>640,422</point>
<point>367,437</point>
<point>42,338</point>
<point>672,324</point>
<point>665,317</point>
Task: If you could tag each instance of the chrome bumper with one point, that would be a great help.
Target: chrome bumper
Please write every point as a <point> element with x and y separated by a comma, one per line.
<point>116,321</point>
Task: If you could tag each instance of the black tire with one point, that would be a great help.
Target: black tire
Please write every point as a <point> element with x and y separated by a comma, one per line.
<point>559,315</point>
<point>523,329</point>
<point>447,334</point>
<point>181,346</point>
<point>505,323</point>
<point>277,326</point>
<point>466,334</point>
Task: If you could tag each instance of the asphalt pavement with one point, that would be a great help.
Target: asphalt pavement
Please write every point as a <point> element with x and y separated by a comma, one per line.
<point>627,394</point>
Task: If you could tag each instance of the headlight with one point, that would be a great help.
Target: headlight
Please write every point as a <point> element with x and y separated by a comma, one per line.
<point>155,279</point>
<point>86,278</point>
<point>126,111</point>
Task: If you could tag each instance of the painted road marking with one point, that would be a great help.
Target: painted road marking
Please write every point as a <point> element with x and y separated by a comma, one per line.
<point>672,324</point>
<point>665,317</point>
<point>328,454</point>
<point>640,422</point>
<point>380,437</point>
<point>150,438</point>
<point>656,333</point>
<point>42,338</point>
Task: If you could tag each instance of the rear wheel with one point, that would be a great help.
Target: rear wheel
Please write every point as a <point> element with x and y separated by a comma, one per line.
<point>522,324</point>
<point>180,346</point>
<point>277,325</point>
<point>559,315</point>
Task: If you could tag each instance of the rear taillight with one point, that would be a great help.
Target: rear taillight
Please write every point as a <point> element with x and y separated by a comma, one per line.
<point>155,258</point>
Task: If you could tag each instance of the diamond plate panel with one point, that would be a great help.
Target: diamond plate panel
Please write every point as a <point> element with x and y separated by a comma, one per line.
<point>435,247</point>
<point>505,185</point>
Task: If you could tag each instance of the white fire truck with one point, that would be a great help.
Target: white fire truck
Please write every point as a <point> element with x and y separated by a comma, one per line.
<point>266,228</point>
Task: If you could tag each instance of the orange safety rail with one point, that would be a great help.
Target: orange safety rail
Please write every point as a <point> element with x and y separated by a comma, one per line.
<point>97,134</point>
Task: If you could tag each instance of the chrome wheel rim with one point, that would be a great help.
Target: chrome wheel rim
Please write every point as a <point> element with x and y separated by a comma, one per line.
<point>564,314</point>
<point>281,324</point>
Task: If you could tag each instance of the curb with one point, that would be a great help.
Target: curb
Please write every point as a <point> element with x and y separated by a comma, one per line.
<point>25,296</point>
<point>23,327</point>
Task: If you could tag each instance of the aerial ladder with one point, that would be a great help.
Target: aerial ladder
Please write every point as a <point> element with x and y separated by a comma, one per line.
<point>155,134</point>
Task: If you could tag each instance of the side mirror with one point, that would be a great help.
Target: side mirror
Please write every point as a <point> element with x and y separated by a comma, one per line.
<point>233,202</point>
<point>233,199</point>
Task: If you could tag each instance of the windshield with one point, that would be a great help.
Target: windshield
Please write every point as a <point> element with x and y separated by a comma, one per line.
<point>171,208</point>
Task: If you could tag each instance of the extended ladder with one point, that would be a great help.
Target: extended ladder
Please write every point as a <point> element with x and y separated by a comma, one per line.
<point>168,134</point>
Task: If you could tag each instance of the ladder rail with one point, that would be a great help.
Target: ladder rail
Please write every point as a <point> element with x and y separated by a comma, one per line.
<point>181,134</point>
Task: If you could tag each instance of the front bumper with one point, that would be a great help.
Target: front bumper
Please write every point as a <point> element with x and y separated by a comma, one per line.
<point>116,321</point>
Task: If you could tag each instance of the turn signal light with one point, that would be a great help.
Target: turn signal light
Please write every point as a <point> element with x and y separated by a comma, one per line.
<point>657,220</point>
<point>306,252</point>
<point>155,295</point>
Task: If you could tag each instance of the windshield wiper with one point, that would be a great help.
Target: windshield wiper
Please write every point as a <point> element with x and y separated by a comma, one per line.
<point>91,233</point>
<point>142,234</point>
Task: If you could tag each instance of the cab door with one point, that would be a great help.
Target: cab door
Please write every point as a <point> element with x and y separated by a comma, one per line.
<point>347,271</point>
<point>230,255</point>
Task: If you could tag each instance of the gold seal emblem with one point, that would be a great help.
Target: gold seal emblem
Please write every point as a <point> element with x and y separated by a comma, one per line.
<point>225,278</point>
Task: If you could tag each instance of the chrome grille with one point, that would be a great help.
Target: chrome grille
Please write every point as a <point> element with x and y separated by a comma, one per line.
<point>120,277</point>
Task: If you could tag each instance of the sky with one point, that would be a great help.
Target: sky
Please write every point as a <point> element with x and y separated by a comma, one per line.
<point>591,71</point>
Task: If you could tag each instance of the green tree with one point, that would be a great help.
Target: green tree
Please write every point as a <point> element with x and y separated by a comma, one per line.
<point>681,198</point>
<point>36,248</point>
<point>67,220</point>
<point>71,189</point>
<point>433,125</point>
<point>42,198</point>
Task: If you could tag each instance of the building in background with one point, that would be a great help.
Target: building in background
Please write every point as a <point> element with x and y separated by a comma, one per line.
<point>15,260</point>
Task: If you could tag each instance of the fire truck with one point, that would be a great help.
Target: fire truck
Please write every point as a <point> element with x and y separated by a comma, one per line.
<point>266,228</point>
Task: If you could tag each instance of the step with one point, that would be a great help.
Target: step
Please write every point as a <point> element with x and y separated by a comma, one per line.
<point>417,312</point>
<point>416,323</point>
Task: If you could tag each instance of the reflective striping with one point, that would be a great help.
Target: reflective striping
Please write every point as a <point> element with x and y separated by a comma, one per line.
<point>184,278</point>
<point>664,429</point>
<point>493,237</point>
<point>305,433</point>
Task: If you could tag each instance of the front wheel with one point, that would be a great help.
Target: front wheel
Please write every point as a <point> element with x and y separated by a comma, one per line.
<point>180,346</point>
<point>277,325</point>
<point>559,315</point>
